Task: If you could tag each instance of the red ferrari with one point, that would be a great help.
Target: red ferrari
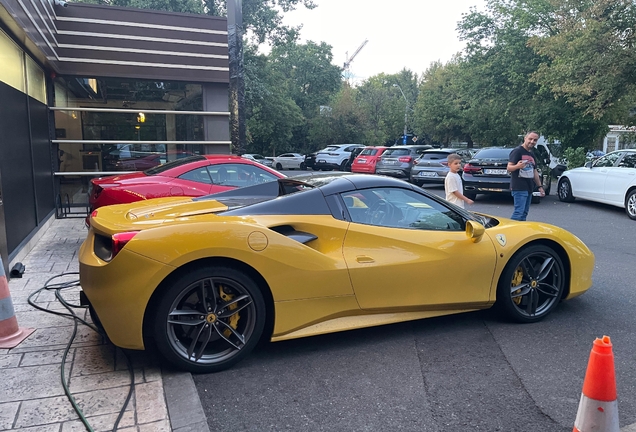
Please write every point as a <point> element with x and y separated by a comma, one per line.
<point>366,160</point>
<point>191,176</point>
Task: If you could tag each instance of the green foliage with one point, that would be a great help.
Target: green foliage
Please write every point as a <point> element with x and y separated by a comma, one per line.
<point>575,157</point>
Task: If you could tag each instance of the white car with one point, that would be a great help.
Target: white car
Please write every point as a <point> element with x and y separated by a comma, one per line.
<point>610,179</point>
<point>258,158</point>
<point>289,161</point>
<point>334,156</point>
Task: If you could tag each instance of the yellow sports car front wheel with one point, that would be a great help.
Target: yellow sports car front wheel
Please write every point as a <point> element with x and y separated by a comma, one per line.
<point>532,284</point>
<point>209,318</point>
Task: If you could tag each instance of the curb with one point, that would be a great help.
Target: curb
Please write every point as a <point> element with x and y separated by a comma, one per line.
<point>184,406</point>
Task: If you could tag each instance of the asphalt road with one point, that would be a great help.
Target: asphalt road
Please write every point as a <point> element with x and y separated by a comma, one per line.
<point>464,372</point>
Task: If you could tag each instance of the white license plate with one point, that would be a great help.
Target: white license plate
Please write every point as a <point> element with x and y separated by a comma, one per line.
<point>362,161</point>
<point>496,171</point>
<point>390,162</point>
<point>322,161</point>
<point>427,174</point>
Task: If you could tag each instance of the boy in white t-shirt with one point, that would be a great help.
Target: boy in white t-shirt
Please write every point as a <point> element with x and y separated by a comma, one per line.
<point>453,185</point>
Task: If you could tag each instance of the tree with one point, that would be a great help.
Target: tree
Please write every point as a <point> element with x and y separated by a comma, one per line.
<point>592,55</point>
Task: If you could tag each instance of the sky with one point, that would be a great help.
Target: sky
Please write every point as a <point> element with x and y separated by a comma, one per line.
<point>400,33</point>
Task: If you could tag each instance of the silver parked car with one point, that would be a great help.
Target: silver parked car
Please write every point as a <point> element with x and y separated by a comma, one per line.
<point>397,161</point>
<point>258,158</point>
<point>432,165</point>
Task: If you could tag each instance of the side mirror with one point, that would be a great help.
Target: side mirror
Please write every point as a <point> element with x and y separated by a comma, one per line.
<point>588,164</point>
<point>474,231</point>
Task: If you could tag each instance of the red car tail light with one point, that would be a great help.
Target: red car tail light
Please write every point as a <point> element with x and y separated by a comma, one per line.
<point>120,240</point>
<point>405,159</point>
<point>468,168</point>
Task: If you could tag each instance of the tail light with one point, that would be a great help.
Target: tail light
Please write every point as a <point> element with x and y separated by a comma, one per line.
<point>405,159</point>
<point>445,163</point>
<point>468,168</point>
<point>120,240</point>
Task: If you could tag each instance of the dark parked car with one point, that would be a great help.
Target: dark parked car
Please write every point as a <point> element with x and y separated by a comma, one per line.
<point>487,173</point>
<point>432,165</point>
<point>398,161</point>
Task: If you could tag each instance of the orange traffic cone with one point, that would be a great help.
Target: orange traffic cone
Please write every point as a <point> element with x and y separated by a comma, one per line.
<point>598,409</point>
<point>10,334</point>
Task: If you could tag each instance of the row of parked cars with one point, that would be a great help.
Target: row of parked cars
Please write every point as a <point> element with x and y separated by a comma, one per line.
<point>609,179</point>
<point>484,170</point>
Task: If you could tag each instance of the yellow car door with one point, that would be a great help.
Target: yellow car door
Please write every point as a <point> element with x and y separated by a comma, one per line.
<point>406,250</point>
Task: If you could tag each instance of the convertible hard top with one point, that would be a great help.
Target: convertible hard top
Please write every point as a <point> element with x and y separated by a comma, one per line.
<point>310,190</point>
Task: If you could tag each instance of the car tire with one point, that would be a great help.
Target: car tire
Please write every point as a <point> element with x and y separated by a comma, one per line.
<point>531,285</point>
<point>302,166</point>
<point>279,166</point>
<point>343,165</point>
<point>630,204</point>
<point>564,190</point>
<point>204,299</point>
<point>536,199</point>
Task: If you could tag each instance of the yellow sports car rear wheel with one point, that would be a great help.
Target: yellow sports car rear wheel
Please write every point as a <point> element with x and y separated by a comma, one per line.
<point>209,319</point>
<point>532,284</point>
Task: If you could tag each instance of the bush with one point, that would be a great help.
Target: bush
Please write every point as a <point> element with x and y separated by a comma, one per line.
<point>575,157</point>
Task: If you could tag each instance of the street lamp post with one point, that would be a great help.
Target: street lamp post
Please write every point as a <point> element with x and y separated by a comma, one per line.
<point>406,109</point>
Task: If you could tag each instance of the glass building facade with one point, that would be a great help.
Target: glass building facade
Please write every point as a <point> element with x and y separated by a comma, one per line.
<point>88,91</point>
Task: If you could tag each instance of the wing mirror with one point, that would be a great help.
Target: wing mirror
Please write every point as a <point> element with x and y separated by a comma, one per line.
<point>588,164</point>
<point>474,231</point>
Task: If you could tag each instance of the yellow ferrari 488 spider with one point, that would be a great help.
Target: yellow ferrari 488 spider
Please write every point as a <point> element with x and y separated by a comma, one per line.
<point>205,279</point>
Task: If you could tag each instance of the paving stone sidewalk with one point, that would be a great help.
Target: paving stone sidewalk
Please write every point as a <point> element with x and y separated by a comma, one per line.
<point>31,393</point>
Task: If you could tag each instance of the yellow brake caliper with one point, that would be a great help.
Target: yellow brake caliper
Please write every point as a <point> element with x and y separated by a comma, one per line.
<point>234,318</point>
<point>517,277</point>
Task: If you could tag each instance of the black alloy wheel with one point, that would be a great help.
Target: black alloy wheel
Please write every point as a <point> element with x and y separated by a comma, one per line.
<point>209,319</point>
<point>564,190</point>
<point>532,284</point>
<point>630,204</point>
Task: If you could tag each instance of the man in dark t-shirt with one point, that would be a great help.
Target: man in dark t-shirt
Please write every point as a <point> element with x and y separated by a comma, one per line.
<point>524,175</point>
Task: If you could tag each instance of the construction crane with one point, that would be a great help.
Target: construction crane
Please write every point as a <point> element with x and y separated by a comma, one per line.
<point>348,61</point>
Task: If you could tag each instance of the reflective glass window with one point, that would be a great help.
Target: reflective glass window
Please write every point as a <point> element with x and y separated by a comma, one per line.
<point>36,83</point>
<point>12,61</point>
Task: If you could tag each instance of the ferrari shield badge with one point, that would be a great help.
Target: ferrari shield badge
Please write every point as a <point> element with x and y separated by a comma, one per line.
<point>501,239</point>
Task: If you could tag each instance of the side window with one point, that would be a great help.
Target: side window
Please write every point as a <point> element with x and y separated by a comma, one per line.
<point>607,160</point>
<point>199,175</point>
<point>239,175</point>
<point>629,161</point>
<point>400,208</point>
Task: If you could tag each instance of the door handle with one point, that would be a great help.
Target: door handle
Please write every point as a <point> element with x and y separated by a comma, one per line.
<point>364,259</point>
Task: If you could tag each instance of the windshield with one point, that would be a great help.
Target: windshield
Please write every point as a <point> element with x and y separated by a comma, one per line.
<point>434,156</point>
<point>330,148</point>
<point>397,152</point>
<point>369,152</point>
<point>493,153</point>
